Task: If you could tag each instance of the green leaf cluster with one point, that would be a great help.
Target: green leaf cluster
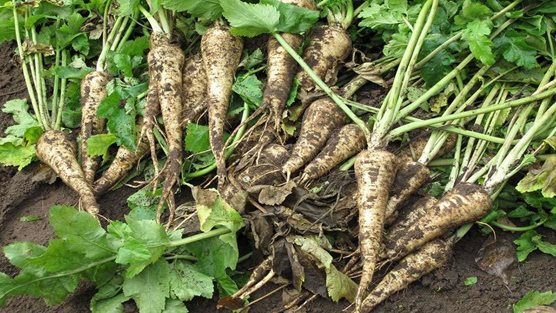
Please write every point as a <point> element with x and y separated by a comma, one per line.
<point>136,259</point>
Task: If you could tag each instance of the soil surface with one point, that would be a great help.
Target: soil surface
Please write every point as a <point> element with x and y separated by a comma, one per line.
<point>441,291</point>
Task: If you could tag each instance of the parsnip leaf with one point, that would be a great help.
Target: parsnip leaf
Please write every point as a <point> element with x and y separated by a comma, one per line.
<point>187,282</point>
<point>533,299</point>
<point>99,144</point>
<point>206,9</point>
<point>150,288</point>
<point>249,19</point>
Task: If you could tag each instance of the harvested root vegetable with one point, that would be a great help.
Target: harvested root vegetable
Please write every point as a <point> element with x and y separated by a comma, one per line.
<point>328,46</point>
<point>280,72</point>
<point>431,256</point>
<point>57,151</point>
<point>93,91</point>
<point>194,81</point>
<point>266,168</point>
<point>171,60</point>
<point>123,162</point>
<point>152,105</point>
<point>375,171</point>
<point>410,177</point>
<point>411,215</point>
<point>221,52</point>
<point>342,145</point>
<point>319,121</point>
<point>465,203</point>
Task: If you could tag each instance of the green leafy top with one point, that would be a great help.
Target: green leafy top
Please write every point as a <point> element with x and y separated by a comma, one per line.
<point>269,16</point>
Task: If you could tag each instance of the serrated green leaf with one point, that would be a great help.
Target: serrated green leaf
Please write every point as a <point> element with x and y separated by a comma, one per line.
<point>150,288</point>
<point>250,89</point>
<point>112,305</point>
<point>99,144</point>
<point>135,47</point>
<point>197,138</point>
<point>187,282</point>
<point>213,211</point>
<point>544,247</point>
<point>226,286</point>
<point>80,231</point>
<point>253,59</point>
<point>32,134</point>
<point>19,253</point>
<point>525,245</point>
<point>119,123</point>
<point>215,255</point>
<point>514,48</point>
<point>143,204</point>
<point>209,9</point>
<point>128,7</point>
<point>19,156</point>
<point>543,178</point>
<point>19,109</point>
<point>123,64</point>
<point>175,306</point>
<point>534,298</point>
<point>71,72</point>
<point>476,35</point>
<point>339,285</point>
<point>387,15</point>
<point>293,19</point>
<point>248,19</point>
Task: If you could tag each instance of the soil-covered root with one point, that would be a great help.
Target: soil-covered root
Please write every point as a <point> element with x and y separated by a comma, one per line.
<point>221,52</point>
<point>123,162</point>
<point>266,170</point>
<point>465,203</point>
<point>319,121</point>
<point>410,216</point>
<point>375,171</point>
<point>343,144</point>
<point>280,72</point>
<point>410,177</point>
<point>57,151</point>
<point>328,46</point>
<point>194,81</point>
<point>431,256</point>
<point>171,61</point>
<point>93,91</point>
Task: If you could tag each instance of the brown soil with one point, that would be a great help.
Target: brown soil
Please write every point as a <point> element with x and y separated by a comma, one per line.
<point>442,291</point>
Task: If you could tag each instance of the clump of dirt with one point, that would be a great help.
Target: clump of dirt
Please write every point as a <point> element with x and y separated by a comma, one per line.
<point>442,291</point>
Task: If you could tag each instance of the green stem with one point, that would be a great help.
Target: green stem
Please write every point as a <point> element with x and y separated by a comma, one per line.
<point>60,106</point>
<point>56,85</point>
<point>152,21</point>
<point>509,104</point>
<point>229,149</point>
<point>518,228</point>
<point>458,35</point>
<point>102,57</point>
<point>61,274</point>
<point>322,85</point>
<point>126,35</point>
<point>403,74</point>
<point>181,257</point>
<point>119,33</point>
<point>26,76</point>
<point>198,237</point>
<point>449,128</point>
